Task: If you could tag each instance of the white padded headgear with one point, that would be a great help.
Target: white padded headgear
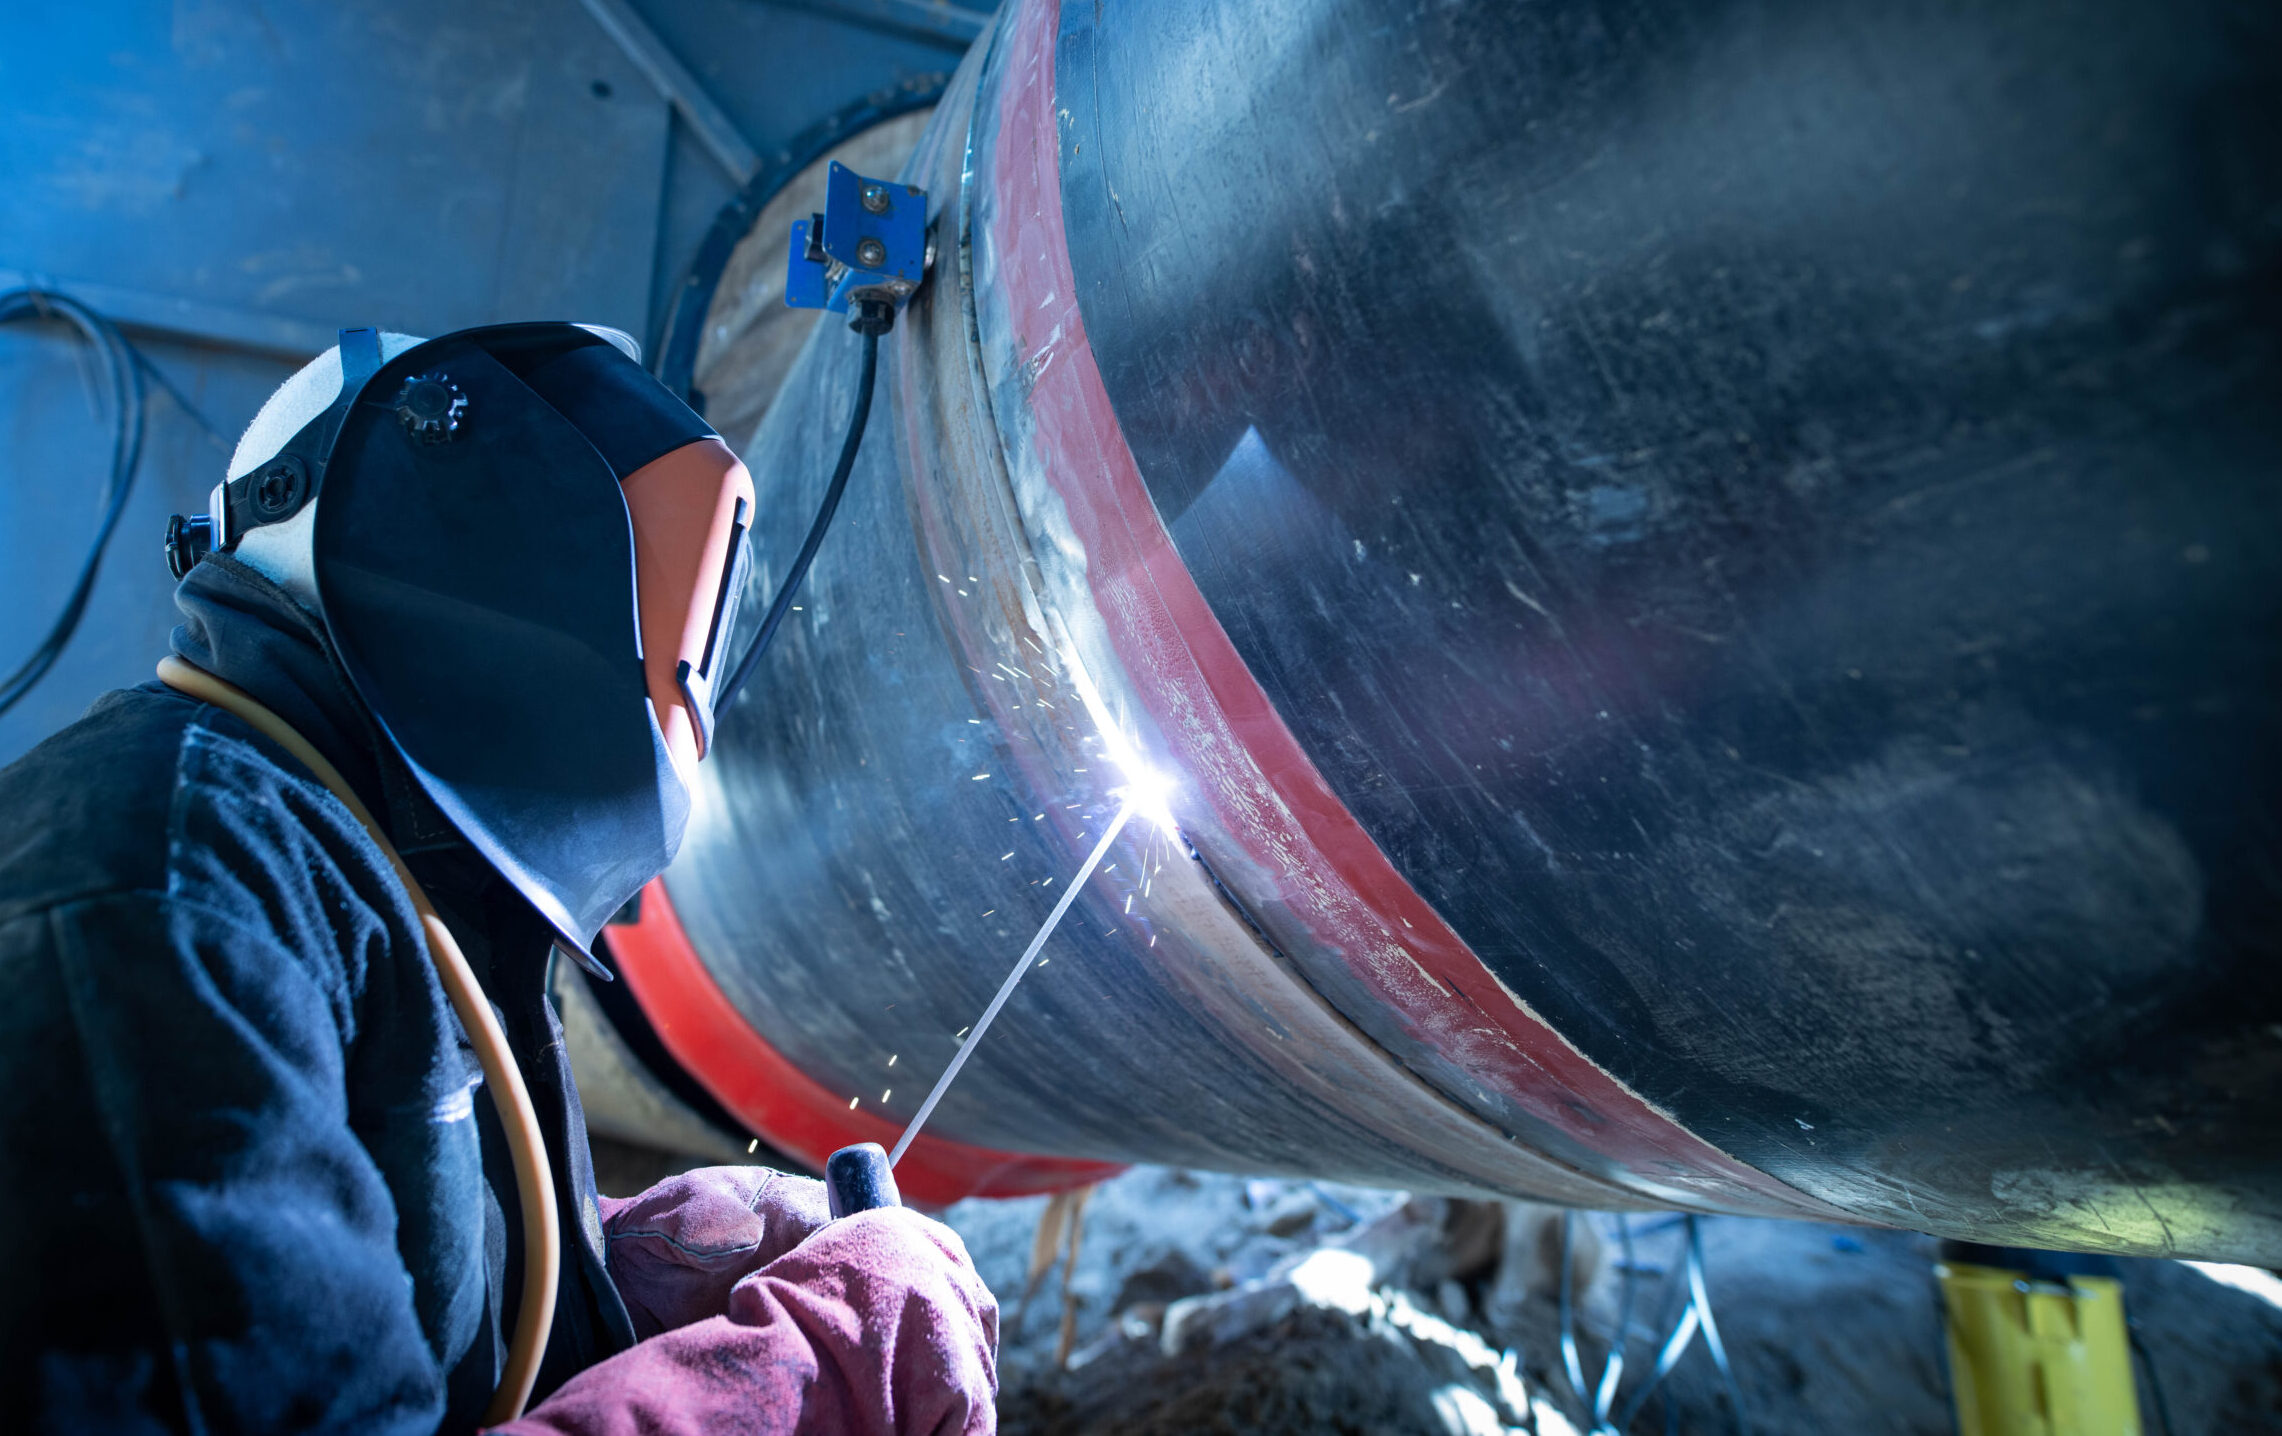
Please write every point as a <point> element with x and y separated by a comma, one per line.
<point>283,551</point>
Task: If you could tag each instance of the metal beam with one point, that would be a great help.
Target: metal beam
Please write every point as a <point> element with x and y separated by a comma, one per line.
<point>936,19</point>
<point>712,126</point>
<point>135,309</point>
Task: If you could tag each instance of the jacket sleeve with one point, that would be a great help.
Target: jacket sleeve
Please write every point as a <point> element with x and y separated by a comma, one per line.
<point>875,1326</point>
<point>254,1281</point>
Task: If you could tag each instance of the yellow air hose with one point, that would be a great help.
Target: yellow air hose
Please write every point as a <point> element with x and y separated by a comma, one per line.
<point>526,1146</point>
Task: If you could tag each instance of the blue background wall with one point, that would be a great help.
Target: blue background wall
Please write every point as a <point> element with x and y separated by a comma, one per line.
<point>232,181</point>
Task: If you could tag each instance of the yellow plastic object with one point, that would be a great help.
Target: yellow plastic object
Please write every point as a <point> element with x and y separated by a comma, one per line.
<point>2037,1358</point>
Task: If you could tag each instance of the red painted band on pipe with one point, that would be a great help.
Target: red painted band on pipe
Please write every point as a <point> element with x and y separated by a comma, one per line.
<point>783,1105</point>
<point>1224,729</point>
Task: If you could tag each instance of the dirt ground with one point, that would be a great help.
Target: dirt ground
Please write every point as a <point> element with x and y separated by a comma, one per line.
<point>1209,1304</point>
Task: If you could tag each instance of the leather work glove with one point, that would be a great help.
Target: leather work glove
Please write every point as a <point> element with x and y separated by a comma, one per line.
<point>676,1250</point>
<point>871,1325</point>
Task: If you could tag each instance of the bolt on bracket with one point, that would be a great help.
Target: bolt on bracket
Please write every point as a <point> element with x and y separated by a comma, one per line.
<point>868,244</point>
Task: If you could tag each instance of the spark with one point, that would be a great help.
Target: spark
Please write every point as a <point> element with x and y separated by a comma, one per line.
<point>1152,939</point>
<point>1129,902</point>
<point>1004,856</point>
<point>890,1092</point>
<point>752,1146</point>
<point>976,721</point>
<point>1006,989</point>
<point>988,912</point>
<point>945,579</point>
<point>1146,791</point>
<point>980,776</point>
<point>852,1101</point>
<point>962,593</point>
<point>891,1059</point>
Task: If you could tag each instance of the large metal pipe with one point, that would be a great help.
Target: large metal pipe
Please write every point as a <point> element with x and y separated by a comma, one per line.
<point>1707,575</point>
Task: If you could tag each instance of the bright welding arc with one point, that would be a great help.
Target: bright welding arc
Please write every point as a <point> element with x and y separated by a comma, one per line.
<point>1006,988</point>
<point>1146,791</point>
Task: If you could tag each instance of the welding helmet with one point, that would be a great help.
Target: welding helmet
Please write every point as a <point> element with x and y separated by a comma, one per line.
<point>527,553</point>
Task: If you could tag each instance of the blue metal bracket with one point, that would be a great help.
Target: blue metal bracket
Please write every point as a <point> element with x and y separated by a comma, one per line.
<point>869,243</point>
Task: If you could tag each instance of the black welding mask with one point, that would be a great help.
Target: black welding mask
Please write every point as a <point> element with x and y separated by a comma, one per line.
<point>527,553</point>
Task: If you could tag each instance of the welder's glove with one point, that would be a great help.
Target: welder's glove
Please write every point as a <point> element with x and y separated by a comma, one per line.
<point>877,1324</point>
<point>677,1249</point>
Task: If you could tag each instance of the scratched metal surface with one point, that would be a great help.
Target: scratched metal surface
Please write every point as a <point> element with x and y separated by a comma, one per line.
<point>893,802</point>
<point>1769,515</point>
<point>838,816</point>
<point>1766,515</point>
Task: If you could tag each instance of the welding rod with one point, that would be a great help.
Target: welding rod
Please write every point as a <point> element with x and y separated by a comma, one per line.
<point>1006,988</point>
<point>859,1177</point>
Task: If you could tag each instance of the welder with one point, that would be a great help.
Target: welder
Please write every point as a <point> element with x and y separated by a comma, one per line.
<point>288,1136</point>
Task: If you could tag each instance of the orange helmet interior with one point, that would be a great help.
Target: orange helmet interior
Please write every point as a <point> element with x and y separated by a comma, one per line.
<point>689,507</point>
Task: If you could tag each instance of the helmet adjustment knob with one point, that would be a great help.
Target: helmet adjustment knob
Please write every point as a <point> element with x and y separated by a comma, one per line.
<point>188,539</point>
<point>430,406</point>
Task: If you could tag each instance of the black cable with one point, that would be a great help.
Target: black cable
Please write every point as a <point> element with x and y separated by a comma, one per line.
<point>1712,1342</point>
<point>791,586</point>
<point>1600,1398</point>
<point>126,383</point>
<point>1695,1315</point>
<point>1571,1365</point>
<point>1612,1364</point>
<point>1677,1339</point>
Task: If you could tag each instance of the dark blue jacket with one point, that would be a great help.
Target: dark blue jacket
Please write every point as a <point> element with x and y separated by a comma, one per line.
<point>249,1177</point>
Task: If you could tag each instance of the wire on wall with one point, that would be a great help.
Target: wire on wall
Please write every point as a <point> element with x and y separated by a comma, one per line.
<point>123,375</point>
